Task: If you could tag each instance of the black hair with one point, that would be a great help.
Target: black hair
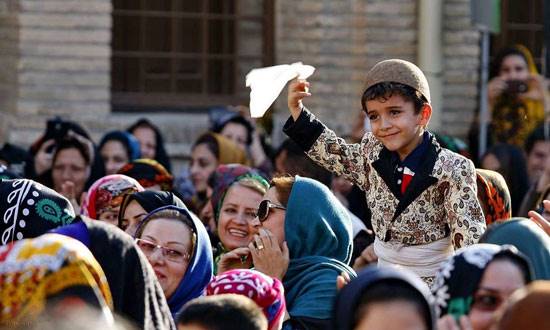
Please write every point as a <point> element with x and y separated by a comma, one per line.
<point>226,311</point>
<point>161,155</point>
<point>392,290</point>
<point>211,143</point>
<point>535,136</point>
<point>70,143</point>
<point>297,163</point>
<point>237,119</point>
<point>386,90</point>
<point>499,58</point>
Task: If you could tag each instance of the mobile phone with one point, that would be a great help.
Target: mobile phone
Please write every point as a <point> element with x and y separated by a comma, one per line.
<point>516,86</point>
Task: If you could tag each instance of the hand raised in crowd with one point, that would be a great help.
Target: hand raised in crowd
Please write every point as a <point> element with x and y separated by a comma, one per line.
<point>342,280</point>
<point>267,255</point>
<point>69,192</point>
<point>448,322</point>
<point>44,157</point>
<point>298,89</point>
<point>537,87</point>
<point>238,258</point>
<point>366,257</point>
<point>495,88</point>
<point>542,220</point>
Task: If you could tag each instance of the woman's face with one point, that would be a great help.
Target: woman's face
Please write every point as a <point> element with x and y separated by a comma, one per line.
<point>514,67</point>
<point>275,221</point>
<point>173,235</point>
<point>147,141</point>
<point>114,156</point>
<point>109,215</point>
<point>391,315</point>
<point>236,133</point>
<point>490,162</point>
<point>500,279</point>
<point>70,166</point>
<point>236,225</point>
<point>133,214</point>
<point>203,163</point>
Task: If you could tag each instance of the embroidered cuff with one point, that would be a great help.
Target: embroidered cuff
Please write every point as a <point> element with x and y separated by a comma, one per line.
<point>305,130</point>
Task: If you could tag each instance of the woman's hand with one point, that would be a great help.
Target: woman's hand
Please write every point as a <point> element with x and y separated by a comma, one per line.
<point>43,157</point>
<point>539,219</point>
<point>267,256</point>
<point>537,88</point>
<point>495,88</point>
<point>366,257</point>
<point>448,322</point>
<point>297,90</point>
<point>238,258</point>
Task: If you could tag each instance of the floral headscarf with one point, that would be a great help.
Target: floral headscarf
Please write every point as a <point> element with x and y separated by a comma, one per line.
<point>267,292</point>
<point>493,195</point>
<point>29,209</point>
<point>32,270</point>
<point>227,175</point>
<point>107,193</point>
<point>459,276</point>
<point>148,172</point>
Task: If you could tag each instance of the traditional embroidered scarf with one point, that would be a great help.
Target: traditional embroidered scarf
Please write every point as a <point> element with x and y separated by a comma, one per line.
<point>136,292</point>
<point>34,270</point>
<point>130,143</point>
<point>107,194</point>
<point>459,276</point>
<point>29,209</point>
<point>227,175</point>
<point>319,237</point>
<point>351,296</point>
<point>148,173</point>
<point>150,201</point>
<point>267,292</point>
<point>199,270</point>
<point>493,195</point>
<point>528,238</point>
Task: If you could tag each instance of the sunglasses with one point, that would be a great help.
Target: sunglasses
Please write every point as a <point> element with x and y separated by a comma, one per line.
<point>264,207</point>
<point>173,255</point>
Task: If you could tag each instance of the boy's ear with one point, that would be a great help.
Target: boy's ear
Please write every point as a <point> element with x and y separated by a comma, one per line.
<point>425,114</point>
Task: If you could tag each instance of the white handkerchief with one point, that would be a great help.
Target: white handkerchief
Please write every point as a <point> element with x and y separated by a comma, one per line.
<point>267,83</point>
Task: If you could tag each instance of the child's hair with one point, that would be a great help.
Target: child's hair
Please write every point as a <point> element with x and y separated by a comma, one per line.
<point>392,290</point>
<point>385,90</point>
<point>226,311</point>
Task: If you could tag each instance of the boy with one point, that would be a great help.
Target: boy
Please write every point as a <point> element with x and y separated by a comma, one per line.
<point>422,197</point>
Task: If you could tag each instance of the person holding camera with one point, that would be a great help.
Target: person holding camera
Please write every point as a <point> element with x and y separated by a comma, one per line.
<point>518,96</point>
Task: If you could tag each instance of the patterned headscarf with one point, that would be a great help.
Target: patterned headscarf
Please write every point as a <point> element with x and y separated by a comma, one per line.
<point>227,175</point>
<point>32,270</point>
<point>459,276</point>
<point>493,195</point>
<point>29,209</point>
<point>148,172</point>
<point>6,174</point>
<point>107,193</point>
<point>267,292</point>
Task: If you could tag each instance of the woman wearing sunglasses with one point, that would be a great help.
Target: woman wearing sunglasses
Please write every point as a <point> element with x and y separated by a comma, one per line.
<point>177,245</point>
<point>473,284</point>
<point>305,240</point>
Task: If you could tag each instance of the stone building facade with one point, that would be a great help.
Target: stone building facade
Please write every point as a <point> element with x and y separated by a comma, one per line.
<point>55,59</point>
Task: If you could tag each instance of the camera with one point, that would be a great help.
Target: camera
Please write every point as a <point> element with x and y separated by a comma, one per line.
<point>516,86</point>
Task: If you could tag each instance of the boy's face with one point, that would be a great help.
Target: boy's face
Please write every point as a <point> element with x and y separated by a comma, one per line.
<point>395,123</point>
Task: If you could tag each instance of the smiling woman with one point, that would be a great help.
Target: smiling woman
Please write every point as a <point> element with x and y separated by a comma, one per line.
<point>178,248</point>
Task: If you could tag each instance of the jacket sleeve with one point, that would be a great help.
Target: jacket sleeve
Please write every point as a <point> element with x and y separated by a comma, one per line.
<point>464,213</point>
<point>331,152</point>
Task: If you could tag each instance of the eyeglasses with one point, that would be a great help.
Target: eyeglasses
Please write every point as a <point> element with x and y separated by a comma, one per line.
<point>173,255</point>
<point>264,207</point>
<point>487,302</point>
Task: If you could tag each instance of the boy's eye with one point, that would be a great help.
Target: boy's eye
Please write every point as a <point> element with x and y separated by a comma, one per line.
<point>372,116</point>
<point>395,112</point>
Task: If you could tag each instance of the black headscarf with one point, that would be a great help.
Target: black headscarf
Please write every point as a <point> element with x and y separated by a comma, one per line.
<point>351,296</point>
<point>137,294</point>
<point>161,155</point>
<point>150,201</point>
<point>29,209</point>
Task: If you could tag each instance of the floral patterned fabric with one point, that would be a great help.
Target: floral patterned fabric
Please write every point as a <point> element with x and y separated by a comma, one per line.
<point>447,202</point>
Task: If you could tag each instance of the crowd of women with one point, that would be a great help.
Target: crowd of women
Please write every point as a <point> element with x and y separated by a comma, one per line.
<point>107,236</point>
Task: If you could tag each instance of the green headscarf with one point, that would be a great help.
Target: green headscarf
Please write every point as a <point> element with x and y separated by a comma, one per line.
<point>528,238</point>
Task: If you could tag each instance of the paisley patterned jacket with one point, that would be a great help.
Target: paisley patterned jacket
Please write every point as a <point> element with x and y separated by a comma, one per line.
<point>441,199</point>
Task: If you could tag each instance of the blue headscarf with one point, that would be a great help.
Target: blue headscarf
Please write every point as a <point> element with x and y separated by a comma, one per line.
<point>131,144</point>
<point>199,271</point>
<point>319,237</point>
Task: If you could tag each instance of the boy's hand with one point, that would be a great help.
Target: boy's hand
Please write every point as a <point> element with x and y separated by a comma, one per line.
<point>297,90</point>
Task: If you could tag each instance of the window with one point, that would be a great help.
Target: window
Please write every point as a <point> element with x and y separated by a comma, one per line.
<point>521,23</point>
<point>182,54</point>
